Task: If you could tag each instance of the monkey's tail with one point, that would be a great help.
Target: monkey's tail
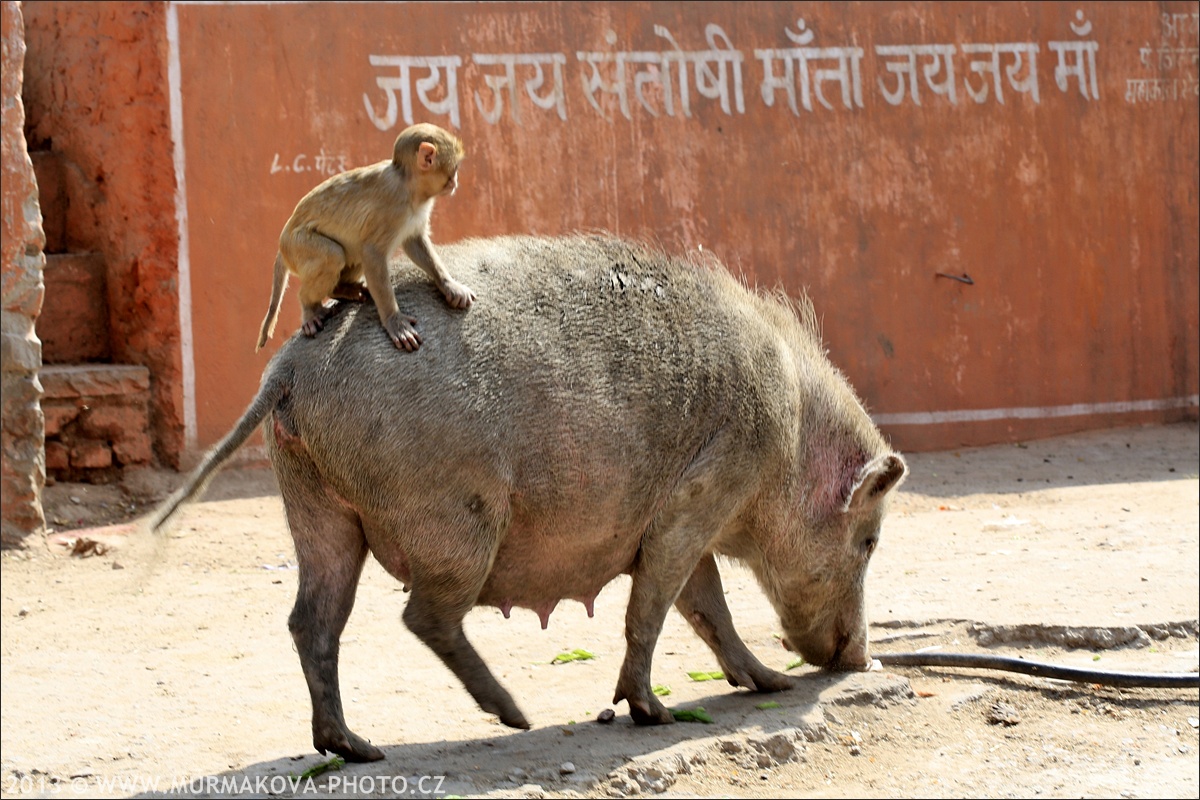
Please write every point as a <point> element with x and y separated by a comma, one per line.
<point>278,285</point>
<point>274,388</point>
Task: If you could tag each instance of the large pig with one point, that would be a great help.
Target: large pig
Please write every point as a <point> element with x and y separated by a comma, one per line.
<point>602,409</point>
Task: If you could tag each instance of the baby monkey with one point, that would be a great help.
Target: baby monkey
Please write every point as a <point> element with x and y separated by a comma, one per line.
<point>344,230</point>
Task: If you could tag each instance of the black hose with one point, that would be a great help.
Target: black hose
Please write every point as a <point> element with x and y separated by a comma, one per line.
<point>1155,680</point>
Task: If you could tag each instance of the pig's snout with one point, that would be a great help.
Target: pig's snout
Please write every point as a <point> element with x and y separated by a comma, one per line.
<point>835,651</point>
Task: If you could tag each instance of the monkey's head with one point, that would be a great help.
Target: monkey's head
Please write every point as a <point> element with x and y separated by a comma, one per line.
<point>429,156</point>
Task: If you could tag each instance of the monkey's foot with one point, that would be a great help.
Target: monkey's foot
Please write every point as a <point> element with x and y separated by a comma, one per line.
<point>354,292</point>
<point>400,329</point>
<point>458,295</point>
<point>316,322</point>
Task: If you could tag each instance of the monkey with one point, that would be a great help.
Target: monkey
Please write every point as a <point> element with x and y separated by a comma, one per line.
<point>343,231</point>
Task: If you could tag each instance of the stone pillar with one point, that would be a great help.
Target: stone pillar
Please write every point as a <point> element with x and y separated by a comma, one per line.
<point>22,426</point>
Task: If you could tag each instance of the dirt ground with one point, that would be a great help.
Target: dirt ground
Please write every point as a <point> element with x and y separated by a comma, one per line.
<point>137,666</point>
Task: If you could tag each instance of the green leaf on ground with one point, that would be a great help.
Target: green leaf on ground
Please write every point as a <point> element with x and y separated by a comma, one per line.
<point>707,676</point>
<point>335,763</point>
<point>691,715</point>
<point>574,655</point>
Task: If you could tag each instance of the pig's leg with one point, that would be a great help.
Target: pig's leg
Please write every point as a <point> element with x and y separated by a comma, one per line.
<point>444,589</point>
<point>330,551</point>
<point>702,604</point>
<point>696,512</point>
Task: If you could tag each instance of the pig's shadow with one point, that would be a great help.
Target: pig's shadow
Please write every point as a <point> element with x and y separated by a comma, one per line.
<point>546,755</point>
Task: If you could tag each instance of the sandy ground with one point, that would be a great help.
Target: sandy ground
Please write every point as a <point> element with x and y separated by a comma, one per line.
<point>144,667</point>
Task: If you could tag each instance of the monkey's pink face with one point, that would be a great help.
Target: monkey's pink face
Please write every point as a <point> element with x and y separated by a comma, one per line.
<point>451,184</point>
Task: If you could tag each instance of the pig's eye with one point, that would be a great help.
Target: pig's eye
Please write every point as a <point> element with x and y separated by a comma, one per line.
<point>869,546</point>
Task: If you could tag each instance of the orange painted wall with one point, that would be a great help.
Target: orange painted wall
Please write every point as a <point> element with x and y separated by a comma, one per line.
<point>96,95</point>
<point>1074,211</point>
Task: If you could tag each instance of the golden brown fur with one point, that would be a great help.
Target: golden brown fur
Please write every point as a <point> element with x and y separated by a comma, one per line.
<point>342,232</point>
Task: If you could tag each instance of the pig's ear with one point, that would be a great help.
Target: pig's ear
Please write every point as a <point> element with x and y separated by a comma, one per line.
<point>877,477</point>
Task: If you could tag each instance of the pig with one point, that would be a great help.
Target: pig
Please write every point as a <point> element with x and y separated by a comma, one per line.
<point>604,408</point>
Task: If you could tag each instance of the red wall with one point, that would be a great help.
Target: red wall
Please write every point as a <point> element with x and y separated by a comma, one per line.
<point>1074,212</point>
<point>96,95</point>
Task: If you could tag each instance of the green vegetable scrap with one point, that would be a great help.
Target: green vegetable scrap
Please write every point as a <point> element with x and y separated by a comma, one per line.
<point>706,676</point>
<point>795,662</point>
<point>575,655</point>
<point>335,763</point>
<point>691,715</point>
<point>768,705</point>
<point>661,691</point>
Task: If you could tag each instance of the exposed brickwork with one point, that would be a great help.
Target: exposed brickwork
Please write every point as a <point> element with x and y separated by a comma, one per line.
<point>90,454</point>
<point>97,420</point>
<point>96,93</point>
<point>58,457</point>
<point>23,472</point>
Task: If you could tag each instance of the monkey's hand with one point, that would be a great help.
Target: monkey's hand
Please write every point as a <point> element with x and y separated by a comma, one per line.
<point>458,295</point>
<point>400,328</point>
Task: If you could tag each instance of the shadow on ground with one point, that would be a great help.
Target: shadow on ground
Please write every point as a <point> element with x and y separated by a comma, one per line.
<point>766,728</point>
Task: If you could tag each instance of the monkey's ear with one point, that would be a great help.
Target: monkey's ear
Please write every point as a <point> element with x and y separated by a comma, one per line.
<point>426,155</point>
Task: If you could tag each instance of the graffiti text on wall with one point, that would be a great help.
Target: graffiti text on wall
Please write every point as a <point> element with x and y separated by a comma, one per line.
<point>1165,68</point>
<point>671,81</point>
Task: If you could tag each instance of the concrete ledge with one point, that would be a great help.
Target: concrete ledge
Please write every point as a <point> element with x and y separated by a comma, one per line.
<point>93,380</point>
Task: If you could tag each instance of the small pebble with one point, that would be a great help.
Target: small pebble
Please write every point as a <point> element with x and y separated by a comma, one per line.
<point>606,716</point>
<point>566,768</point>
<point>1003,713</point>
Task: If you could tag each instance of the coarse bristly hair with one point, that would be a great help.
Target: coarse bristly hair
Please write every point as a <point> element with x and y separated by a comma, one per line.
<point>606,408</point>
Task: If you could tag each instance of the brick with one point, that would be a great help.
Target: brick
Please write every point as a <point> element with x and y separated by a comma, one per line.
<point>133,449</point>
<point>114,422</point>
<point>73,326</point>
<point>94,380</point>
<point>58,416</point>
<point>57,456</point>
<point>91,455</point>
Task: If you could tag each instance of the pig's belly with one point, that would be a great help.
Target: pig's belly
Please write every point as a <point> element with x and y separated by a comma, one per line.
<point>540,564</point>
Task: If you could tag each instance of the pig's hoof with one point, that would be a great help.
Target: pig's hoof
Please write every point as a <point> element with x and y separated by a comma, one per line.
<point>350,747</point>
<point>505,709</point>
<point>653,713</point>
<point>761,680</point>
<point>515,720</point>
